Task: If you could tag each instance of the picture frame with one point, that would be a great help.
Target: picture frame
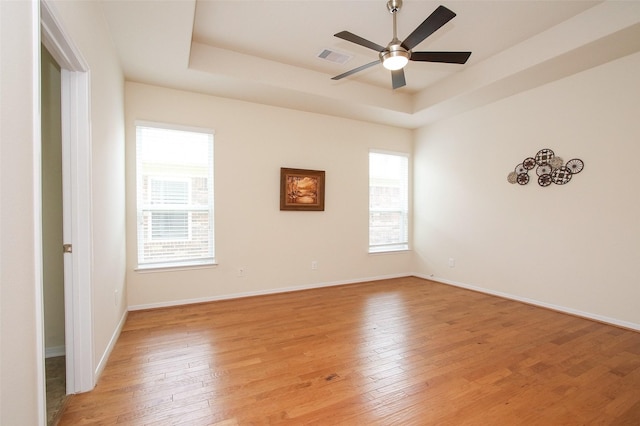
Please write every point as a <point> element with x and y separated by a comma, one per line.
<point>302,189</point>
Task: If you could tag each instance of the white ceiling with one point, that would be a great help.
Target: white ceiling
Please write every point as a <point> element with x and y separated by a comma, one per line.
<point>266,51</point>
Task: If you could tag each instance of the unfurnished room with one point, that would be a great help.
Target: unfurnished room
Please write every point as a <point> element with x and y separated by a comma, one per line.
<point>320,212</point>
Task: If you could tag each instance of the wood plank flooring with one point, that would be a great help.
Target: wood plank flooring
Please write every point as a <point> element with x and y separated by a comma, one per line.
<point>395,352</point>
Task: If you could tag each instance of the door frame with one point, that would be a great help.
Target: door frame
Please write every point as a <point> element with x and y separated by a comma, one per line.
<point>77,215</point>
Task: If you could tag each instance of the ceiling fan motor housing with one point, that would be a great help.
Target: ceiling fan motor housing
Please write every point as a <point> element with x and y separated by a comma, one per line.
<point>394,5</point>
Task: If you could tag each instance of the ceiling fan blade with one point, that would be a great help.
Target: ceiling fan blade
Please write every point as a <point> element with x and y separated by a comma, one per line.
<point>446,57</point>
<point>397,78</point>
<point>346,35</point>
<point>438,18</point>
<point>355,70</point>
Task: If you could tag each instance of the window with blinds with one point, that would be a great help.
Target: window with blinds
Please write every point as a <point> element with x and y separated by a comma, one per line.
<point>174,196</point>
<point>388,202</point>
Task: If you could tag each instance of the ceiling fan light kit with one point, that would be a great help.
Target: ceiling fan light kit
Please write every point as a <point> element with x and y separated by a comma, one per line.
<point>394,57</point>
<point>397,54</point>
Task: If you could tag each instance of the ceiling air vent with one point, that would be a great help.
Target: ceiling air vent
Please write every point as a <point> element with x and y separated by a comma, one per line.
<point>333,56</point>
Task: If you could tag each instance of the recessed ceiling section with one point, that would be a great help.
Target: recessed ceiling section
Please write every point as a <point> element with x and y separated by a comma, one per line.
<point>268,51</point>
<point>293,32</point>
<point>217,61</point>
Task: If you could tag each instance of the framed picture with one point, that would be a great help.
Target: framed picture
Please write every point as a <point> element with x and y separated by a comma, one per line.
<point>301,189</point>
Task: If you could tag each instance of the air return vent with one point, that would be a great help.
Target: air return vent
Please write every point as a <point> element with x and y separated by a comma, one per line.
<point>333,56</point>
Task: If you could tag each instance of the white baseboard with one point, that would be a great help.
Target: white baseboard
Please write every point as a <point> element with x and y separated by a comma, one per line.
<point>54,351</point>
<point>578,313</point>
<point>110,346</point>
<point>261,292</point>
<point>588,315</point>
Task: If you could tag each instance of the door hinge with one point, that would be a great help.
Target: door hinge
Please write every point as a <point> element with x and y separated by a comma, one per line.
<point>67,248</point>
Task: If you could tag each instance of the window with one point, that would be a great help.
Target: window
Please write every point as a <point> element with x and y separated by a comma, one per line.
<point>169,225</point>
<point>388,202</point>
<point>174,196</point>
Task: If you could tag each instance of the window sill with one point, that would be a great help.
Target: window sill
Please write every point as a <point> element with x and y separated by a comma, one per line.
<point>390,251</point>
<point>171,267</point>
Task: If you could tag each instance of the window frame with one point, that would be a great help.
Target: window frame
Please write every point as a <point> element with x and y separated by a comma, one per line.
<point>405,222</point>
<point>144,204</point>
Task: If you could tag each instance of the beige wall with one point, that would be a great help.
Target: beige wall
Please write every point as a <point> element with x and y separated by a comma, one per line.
<point>85,24</point>
<point>574,246</point>
<point>20,351</point>
<point>274,248</point>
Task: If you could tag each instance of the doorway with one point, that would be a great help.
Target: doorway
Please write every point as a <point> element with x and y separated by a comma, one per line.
<point>52,234</point>
<point>74,120</point>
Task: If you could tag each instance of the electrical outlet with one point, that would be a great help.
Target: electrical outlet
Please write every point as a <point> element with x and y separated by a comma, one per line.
<point>314,265</point>
<point>241,272</point>
<point>115,298</point>
<point>452,262</point>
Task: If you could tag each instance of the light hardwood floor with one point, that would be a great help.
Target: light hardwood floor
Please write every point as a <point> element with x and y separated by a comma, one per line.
<point>394,352</point>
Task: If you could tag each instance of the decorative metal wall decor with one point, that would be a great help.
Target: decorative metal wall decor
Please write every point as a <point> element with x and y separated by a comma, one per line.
<point>549,169</point>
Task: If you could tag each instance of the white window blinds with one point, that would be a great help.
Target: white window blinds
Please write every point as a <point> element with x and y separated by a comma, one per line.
<point>174,196</point>
<point>388,202</point>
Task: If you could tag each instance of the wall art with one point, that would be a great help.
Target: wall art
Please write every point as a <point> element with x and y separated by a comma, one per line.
<point>301,189</point>
<point>549,168</point>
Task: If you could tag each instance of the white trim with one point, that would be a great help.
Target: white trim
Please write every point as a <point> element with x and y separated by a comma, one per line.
<point>262,292</point>
<point>76,138</point>
<point>56,41</point>
<point>571,311</point>
<point>112,342</point>
<point>76,118</point>
<point>177,266</point>
<point>389,248</point>
<point>390,152</point>
<point>173,126</point>
<point>37,205</point>
<point>399,251</point>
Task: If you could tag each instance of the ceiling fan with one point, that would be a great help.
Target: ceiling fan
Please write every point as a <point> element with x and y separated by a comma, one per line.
<point>397,54</point>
